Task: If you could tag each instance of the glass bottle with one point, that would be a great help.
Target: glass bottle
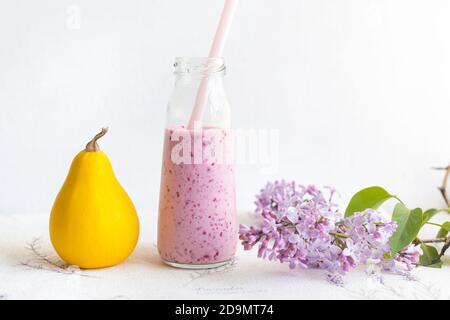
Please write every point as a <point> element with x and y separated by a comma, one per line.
<point>197,209</point>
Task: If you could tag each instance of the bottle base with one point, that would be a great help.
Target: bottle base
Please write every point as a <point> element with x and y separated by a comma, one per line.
<point>197,266</point>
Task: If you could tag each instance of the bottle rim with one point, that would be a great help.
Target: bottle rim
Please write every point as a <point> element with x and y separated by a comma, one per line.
<point>199,66</point>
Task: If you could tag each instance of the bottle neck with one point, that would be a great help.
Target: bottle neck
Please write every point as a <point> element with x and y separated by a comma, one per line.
<point>191,74</point>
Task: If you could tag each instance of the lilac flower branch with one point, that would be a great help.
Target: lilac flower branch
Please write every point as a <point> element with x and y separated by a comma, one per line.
<point>302,227</point>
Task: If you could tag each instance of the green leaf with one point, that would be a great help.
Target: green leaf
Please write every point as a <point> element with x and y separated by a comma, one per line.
<point>430,213</point>
<point>372,197</point>
<point>430,257</point>
<point>442,233</point>
<point>427,215</point>
<point>409,223</point>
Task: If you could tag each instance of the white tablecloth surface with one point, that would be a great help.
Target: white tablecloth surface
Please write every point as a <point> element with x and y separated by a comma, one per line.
<point>25,274</point>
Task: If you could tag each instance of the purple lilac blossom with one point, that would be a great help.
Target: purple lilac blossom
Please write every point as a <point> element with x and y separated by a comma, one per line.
<point>304,229</point>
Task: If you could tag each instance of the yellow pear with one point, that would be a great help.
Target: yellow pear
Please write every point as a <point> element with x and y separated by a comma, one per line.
<point>93,223</point>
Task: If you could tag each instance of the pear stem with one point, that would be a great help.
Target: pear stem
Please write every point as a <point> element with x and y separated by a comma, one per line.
<point>92,145</point>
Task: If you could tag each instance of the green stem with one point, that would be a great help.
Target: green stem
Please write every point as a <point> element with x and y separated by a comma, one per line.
<point>434,224</point>
<point>339,235</point>
<point>437,240</point>
<point>398,199</point>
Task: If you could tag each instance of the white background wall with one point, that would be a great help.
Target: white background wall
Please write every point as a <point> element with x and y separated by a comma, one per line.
<point>359,90</point>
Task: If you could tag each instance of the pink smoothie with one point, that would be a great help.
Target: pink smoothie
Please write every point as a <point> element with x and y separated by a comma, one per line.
<point>197,214</point>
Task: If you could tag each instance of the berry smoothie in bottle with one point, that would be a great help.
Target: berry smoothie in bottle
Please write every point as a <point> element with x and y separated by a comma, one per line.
<point>197,210</point>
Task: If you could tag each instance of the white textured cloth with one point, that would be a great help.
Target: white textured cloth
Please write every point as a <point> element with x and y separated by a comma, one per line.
<point>28,274</point>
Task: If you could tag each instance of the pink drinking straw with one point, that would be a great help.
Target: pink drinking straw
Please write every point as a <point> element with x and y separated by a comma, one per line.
<point>215,52</point>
